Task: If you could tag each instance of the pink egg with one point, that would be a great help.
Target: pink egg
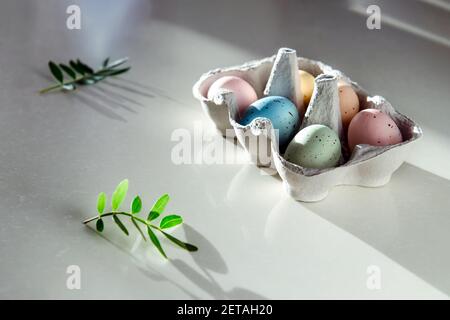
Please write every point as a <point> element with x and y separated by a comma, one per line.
<point>245,94</point>
<point>373,127</point>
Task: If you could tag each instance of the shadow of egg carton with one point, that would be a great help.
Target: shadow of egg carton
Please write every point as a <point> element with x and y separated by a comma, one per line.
<point>368,166</point>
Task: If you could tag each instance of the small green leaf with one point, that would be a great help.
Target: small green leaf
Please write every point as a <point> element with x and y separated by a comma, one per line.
<point>99,225</point>
<point>152,215</point>
<point>105,62</point>
<point>98,78</point>
<point>84,67</point>
<point>68,70</point>
<point>156,242</point>
<point>136,205</point>
<point>139,228</point>
<point>87,81</point>
<point>77,68</point>
<point>117,63</point>
<point>158,207</point>
<point>170,221</point>
<point>119,71</point>
<point>101,202</point>
<point>56,71</point>
<point>90,80</point>
<point>119,194</point>
<point>184,245</point>
<point>120,224</point>
<point>113,72</point>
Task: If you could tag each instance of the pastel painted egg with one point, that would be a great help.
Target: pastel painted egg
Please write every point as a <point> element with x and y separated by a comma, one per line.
<point>348,102</point>
<point>316,146</point>
<point>373,127</point>
<point>244,92</point>
<point>306,87</point>
<point>280,111</point>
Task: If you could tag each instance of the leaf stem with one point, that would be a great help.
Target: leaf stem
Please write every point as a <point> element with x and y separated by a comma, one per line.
<point>48,89</point>
<point>124,214</point>
<point>185,246</point>
<point>59,85</point>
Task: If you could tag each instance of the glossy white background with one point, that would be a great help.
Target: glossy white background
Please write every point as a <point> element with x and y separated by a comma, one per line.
<point>59,150</point>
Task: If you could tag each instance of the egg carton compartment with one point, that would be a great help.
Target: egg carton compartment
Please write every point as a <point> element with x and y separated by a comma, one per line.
<point>367,165</point>
<point>256,73</point>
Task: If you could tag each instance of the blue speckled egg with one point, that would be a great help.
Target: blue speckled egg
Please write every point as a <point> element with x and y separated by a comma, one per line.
<point>280,111</point>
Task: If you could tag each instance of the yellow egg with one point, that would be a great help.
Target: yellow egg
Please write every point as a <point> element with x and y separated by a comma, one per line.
<point>348,102</point>
<point>306,87</point>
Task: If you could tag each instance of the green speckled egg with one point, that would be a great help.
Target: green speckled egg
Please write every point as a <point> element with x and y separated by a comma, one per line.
<point>315,146</point>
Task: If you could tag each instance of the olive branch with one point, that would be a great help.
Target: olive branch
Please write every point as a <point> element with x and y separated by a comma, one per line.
<point>81,74</point>
<point>168,221</point>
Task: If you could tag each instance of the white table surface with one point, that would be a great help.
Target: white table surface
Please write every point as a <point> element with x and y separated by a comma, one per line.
<point>57,151</point>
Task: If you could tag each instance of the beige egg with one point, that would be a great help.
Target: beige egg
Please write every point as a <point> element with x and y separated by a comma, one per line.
<point>306,87</point>
<point>348,102</point>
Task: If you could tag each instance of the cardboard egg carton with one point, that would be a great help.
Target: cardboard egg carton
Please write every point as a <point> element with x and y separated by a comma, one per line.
<point>369,166</point>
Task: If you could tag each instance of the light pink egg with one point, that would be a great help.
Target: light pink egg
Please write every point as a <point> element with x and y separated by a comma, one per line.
<point>373,127</point>
<point>245,94</point>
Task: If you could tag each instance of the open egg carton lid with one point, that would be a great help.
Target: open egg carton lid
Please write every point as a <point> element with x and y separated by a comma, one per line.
<point>367,165</point>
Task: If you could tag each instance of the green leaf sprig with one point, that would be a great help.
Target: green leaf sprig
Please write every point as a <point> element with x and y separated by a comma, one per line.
<point>168,221</point>
<point>80,73</point>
